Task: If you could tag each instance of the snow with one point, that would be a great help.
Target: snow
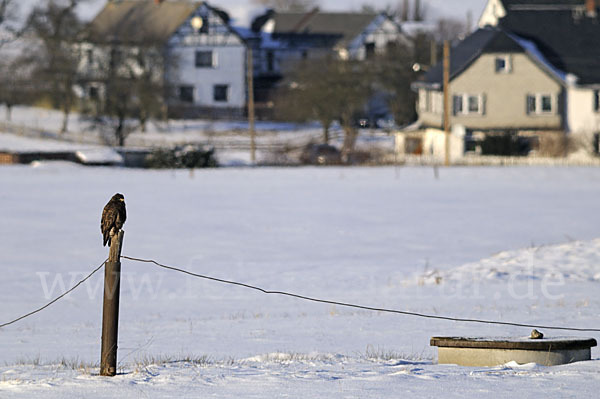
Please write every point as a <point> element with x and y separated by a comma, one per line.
<point>20,144</point>
<point>509,244</point>
<point>231,139</point>
<point>99,156</point>
<point>531,48</point>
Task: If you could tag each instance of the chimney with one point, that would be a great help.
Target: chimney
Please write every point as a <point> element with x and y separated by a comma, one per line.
<point>590,8</point>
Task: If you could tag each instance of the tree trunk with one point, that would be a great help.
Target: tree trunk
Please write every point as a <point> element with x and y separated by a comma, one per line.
<point>120,133</point>
<point>325,133</point>
<point>143,120</point>
<point>350,136</point>
<point>65,121</point>
<point>8,112</point>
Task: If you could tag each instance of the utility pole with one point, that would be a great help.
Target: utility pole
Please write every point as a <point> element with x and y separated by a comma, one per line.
<point>447,102</point>
<point>433,49</point>
<point>250,79</point>
<point>110,309</point>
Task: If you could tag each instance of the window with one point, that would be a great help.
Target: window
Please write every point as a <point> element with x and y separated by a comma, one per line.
<point>220,93</point>
<point>423,100</point>
<point>457,105</point>
<point>89,54</point>
<point>597,100</point>
<point>115,57</point>
<point>93,92</point>
<point>473,104</point>
<point>204,27</point>
<point>465,104</point>
<point>205,59</point>
<point>186,94</point>
<point>369,50</point>
<point>503,64</point>
<point>540,104</point>
<point>270,61</point>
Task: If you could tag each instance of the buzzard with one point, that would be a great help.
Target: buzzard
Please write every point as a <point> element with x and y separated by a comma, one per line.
<point>113,217</point>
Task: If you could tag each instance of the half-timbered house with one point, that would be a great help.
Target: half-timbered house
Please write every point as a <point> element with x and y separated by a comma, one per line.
<point>204,58</point>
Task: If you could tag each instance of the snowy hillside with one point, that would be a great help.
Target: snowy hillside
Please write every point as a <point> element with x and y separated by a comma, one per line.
<point>510,244</point>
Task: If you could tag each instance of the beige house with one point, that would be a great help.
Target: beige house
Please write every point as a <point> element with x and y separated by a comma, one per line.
<point>506,99</point>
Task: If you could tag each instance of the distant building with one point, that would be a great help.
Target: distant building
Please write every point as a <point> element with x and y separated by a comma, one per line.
<point>529,76</point>
<point>281,39</point>
<point>207,58</point>
<point>566,33</point>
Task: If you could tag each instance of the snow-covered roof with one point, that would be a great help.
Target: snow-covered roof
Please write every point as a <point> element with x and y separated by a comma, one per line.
<point>99,156</point>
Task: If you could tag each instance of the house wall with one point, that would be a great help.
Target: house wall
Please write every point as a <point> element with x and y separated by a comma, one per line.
<point>504,96</point>
<point>380,32</point>
<point>582,119</point>
<point>229,69</point>
<point>180,70</point>
<point>229,55</point>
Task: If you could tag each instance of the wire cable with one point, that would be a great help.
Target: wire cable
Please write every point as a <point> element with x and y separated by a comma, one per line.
<point>55,299</point>
<point>350,305</point>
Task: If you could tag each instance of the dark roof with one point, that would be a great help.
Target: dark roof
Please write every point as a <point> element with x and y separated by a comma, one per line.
<point>567,39</point>
<point>544,3</point>
<point>488,39</point>
<point>130,21</point>
<point>337,27</point>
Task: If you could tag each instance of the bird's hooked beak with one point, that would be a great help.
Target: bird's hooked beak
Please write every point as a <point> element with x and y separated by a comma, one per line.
<point>122,199</point>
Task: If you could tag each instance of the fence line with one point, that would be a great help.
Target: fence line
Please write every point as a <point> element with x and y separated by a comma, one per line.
<point>305,298</point>
<point>370,308</point>
<point>55,299</point>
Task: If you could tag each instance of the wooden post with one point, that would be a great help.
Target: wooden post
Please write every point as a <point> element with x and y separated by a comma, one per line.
<point>250,78</point>
<point>110,309</point>
<point>447,102</point>
<point>433,49</point>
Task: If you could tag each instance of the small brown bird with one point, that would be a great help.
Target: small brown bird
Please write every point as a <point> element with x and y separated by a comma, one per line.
<point>113,217</point>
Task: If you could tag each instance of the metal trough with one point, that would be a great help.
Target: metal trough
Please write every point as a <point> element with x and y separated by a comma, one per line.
<point>496,351</point>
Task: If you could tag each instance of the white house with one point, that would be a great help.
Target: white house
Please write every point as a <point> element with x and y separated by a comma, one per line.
<point>281,39</point>
<point>206,58</point>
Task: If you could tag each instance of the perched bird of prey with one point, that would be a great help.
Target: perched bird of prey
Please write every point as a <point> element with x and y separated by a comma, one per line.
<point>113,217</point>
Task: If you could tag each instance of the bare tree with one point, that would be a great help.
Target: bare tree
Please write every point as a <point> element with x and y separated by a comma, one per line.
<point>404,11</point>
<point>419,11</point>
<point>394,75</point>
<point>8,17</point>
<point>15,87</point>
<point>55,58</point>
<point>450,29</point>
<point>326,90</point>
<point>368,8</point>
<point>133,90</point>
<point>288,5</point>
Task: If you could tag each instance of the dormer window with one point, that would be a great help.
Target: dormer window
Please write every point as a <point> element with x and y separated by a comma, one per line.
<point>503,64</point>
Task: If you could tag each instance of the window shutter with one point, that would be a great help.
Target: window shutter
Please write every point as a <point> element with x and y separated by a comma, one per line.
<point>456,104</point>
<point>483,104</point>
<point>530,104</point>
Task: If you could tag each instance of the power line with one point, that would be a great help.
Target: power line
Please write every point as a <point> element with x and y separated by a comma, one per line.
<point>55,299</point>
<point>302,297</point>
<point>350,305</point>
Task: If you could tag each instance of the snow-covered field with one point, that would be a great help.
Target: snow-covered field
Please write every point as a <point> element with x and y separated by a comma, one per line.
<point>510,244</point>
